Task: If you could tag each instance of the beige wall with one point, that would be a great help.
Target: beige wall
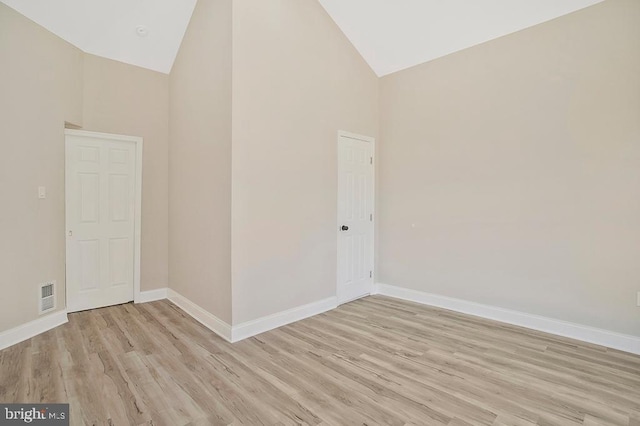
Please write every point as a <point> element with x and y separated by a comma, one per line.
<point>200,161</point>
<point>509,172</point>
<point>44,82</point>
<point>124,99</point>
<point>296,81</point>
<point>40,88</point>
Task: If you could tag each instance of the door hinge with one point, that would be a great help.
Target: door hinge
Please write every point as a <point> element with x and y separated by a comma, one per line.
<point>370,274</point>
<point>371,217</point>
<point>371,160</point>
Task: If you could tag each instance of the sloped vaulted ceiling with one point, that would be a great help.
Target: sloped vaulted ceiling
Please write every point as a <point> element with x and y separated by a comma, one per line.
<point>390,34</point>
<point>108,27</point>
<point>396,34</point>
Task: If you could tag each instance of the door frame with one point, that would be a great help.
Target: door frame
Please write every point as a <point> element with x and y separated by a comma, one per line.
<point>137,234</point>
<point>372,141</point>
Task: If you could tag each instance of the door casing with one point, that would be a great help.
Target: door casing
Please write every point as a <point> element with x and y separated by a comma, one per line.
<point>372,141</point>
<point>138,141</point>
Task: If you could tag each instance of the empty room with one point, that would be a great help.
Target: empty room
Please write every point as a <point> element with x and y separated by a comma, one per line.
<point>320,212</point>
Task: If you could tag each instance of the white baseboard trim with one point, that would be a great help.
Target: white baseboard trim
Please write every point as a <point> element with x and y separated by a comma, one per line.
<point>152,295</point>
<point>231,334</point>
<point>33,328</point>
<point>610,339</point>
<point>251,328</point>
<point>254,327</point>
<point>201,315</point>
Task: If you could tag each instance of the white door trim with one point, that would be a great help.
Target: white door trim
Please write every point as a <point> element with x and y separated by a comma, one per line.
<point>138,202</point>
<point>372,141</point>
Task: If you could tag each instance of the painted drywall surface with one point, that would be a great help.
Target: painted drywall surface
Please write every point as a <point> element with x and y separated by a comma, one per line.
<point>393,36</point>
<point>509,172</point>
<point>109,28</point>
<point>200,161</point>
<point>296,81</point>
<point>44,82</point>
<point>125,99</point>
<point>40,88</point>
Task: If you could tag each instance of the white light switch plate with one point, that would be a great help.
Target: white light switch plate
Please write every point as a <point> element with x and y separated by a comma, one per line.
<point>42,192</point>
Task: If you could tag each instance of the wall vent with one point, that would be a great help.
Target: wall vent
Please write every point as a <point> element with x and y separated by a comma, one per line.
<point>47,297</point>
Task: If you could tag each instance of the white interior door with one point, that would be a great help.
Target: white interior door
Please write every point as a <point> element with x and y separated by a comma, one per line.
<point>355,216</point>
<point>100,218</point>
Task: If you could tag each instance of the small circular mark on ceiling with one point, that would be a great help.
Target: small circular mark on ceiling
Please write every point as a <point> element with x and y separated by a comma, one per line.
<point>142,31</point>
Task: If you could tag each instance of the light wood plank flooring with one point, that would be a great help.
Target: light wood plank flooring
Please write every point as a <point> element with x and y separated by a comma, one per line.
<point>372,361</point>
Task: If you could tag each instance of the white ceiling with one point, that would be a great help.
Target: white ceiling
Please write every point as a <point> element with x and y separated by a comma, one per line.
<point>108,27</point>
<point>396,34</point>
<point>390,34</point>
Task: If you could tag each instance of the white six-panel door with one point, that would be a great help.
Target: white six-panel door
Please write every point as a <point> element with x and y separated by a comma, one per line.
<point>355,216</point>
<point>100,220</point>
